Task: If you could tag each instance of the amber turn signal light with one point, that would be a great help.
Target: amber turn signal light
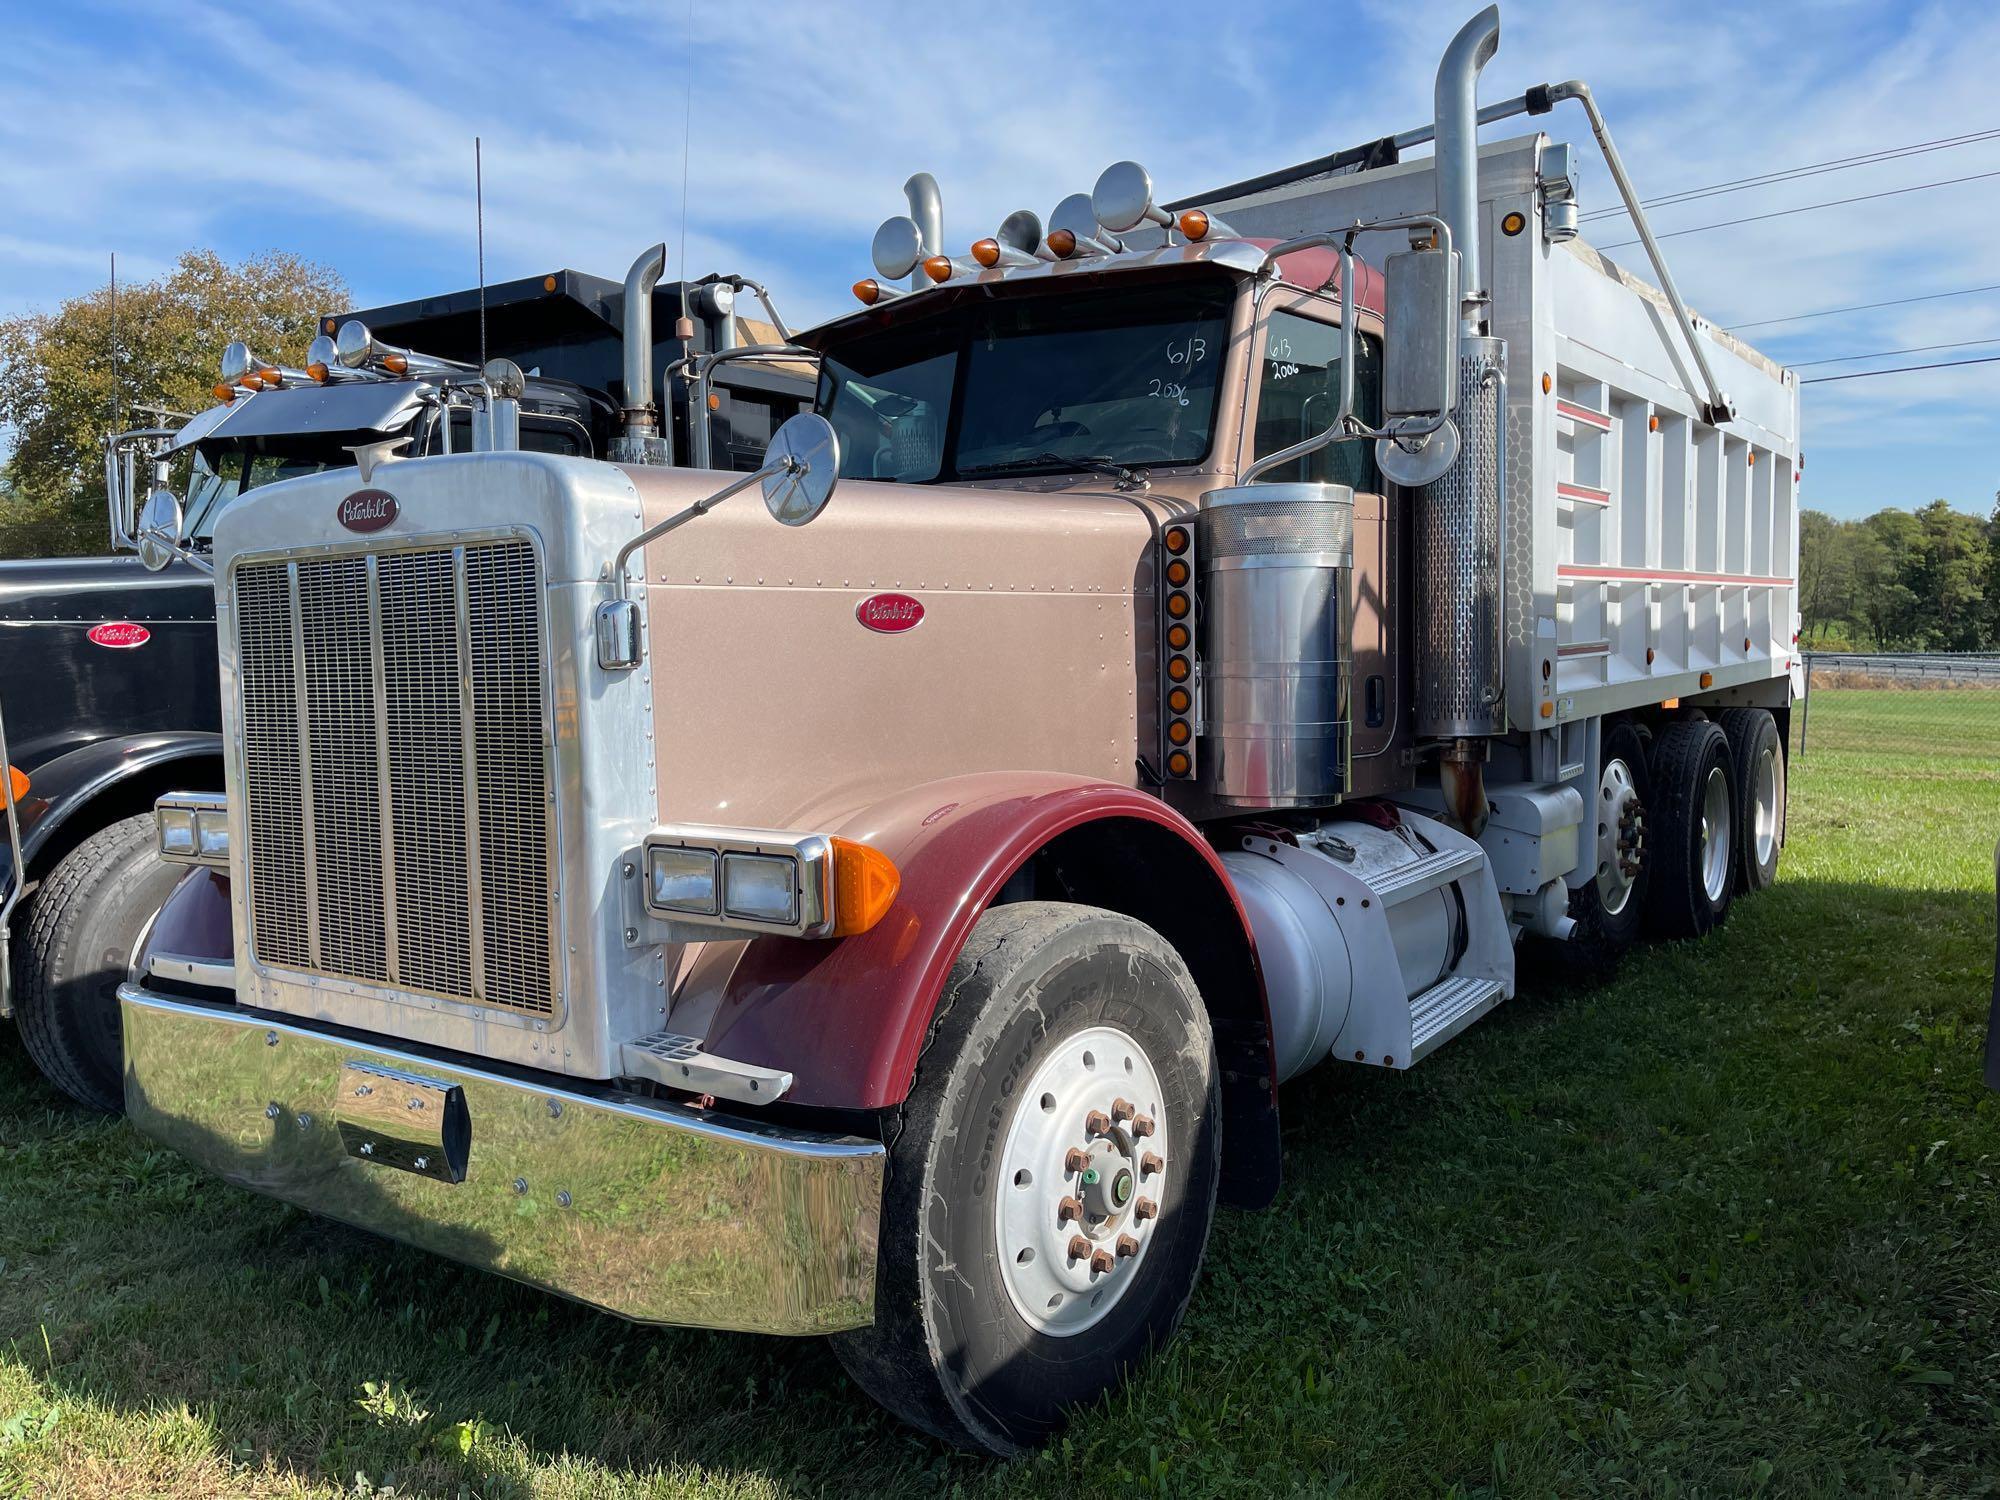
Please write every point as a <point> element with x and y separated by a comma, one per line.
<point>1194,224</point>
<point>222,391</point>
<point>318,371</point>
<point>395,364</point>
<point>1178,763</point>
<point>1177,572</point>
<point>938,268</point>
<point>1177,605</point>
<point>1179,700</point>
<point>1063,242</point>
<point>1177,539</point>
<point>17,786</point>
<point>986,252</point>
<point>1513,224</point>
<point>865,882</point>
<point>1177,668</point>
<point>1177,637</point>
<point>1178,731</point>
<point>868,290</point>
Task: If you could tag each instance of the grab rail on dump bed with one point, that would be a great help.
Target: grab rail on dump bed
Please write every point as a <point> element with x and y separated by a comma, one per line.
<point>1716,409</point>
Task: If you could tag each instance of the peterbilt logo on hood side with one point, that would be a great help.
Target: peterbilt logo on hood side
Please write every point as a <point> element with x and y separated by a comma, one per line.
<point>367,510</point>
<point>890,613</point>
<point>119,635</point>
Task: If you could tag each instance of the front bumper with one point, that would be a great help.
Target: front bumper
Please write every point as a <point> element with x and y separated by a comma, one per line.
<point>656,1211</point>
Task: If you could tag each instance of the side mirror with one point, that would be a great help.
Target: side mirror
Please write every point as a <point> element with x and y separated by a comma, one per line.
<point>158,538</point>
<point>801,467</point>
<point>1419,364</point>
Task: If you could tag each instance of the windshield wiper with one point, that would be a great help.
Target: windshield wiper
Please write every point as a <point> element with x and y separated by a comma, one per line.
<point>1127,478</point>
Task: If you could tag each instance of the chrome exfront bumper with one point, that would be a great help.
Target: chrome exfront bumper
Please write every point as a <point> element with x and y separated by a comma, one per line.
<point>649,1209</point>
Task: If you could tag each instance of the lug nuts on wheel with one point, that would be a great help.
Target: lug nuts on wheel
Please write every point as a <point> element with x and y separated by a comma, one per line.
<point>1079,1247</point>
<point>1122,1110</point>
<point>1149,1164</point>
<point>1100,1262</point>
<point>1068,1210</point>
<point>1075,1160</point>
<point>1097,1122</point>
<point>1127,1246</point>
<point>1144,1209</point>
<point>1142,1125</point>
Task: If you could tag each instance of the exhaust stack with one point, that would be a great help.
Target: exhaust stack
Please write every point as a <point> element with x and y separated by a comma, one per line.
<point>641,442</point>
<point>1457,104</point>
<point>1460,697</point>
<point>927,210</point>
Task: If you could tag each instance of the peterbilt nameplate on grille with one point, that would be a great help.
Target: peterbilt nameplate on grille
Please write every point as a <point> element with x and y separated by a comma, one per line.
<point>404,1120</point>
<point>368,510</point>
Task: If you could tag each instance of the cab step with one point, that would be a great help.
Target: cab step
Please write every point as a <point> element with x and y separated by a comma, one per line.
<point>1445,1009</point>
<point>680,1063</point>
<point>1430,873</point>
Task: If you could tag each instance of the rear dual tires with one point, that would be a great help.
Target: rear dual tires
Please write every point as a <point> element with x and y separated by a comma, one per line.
<point>1062,1029</point>
<point>1757,775</point>
<point>1692,835</point>
<point>79,933</point>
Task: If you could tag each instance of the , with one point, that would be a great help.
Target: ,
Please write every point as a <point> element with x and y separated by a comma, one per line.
<point>1181,648</point>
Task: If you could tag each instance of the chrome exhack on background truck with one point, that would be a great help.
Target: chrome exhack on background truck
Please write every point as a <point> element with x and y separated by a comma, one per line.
<point>1219,657</point>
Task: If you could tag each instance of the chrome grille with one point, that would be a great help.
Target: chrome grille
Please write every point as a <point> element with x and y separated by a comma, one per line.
<point>396,770</point>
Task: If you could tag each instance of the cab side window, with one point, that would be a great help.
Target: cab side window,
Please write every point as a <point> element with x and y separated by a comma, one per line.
<point>1298,394</point>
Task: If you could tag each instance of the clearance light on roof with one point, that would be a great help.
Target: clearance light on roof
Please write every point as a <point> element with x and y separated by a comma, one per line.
<point>994,251</point>
<point>938,268</point>
<point>1198,225</point>
<point>1177,604</point>
<point>871,291</point>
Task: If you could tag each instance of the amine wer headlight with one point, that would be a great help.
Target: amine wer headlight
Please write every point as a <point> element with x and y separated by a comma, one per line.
<point>192,828</point>
<point>750,881</point>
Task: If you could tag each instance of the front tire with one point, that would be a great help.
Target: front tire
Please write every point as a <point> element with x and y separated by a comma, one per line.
<point>1693,834</point>
<point>1067,1100</point>
<point>80,930</point>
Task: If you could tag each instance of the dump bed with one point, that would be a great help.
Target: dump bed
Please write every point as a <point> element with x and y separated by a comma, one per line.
<point>1647,555</point>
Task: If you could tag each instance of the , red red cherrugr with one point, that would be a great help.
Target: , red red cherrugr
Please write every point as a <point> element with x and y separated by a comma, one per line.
<point>890,613</point>
<point>119,635</point>
<point>367,510</point>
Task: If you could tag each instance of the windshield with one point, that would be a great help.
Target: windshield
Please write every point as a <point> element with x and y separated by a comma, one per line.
<point>1034,384</point>
<point>217,478</point>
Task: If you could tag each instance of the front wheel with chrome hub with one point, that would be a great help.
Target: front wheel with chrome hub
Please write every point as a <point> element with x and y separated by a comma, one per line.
<point>1051,1182</point>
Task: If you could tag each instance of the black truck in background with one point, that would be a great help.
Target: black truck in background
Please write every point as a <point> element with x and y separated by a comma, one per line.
<point>109,688</point>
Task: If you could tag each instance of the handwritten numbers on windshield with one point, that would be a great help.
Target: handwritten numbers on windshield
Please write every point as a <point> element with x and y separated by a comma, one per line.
<point>1184,355</point>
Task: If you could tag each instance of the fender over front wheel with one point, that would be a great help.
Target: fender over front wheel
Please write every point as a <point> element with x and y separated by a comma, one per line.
<point>1052,1178</point>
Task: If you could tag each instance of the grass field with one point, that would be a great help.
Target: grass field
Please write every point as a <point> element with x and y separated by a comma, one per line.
<point>1727,1225</point>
